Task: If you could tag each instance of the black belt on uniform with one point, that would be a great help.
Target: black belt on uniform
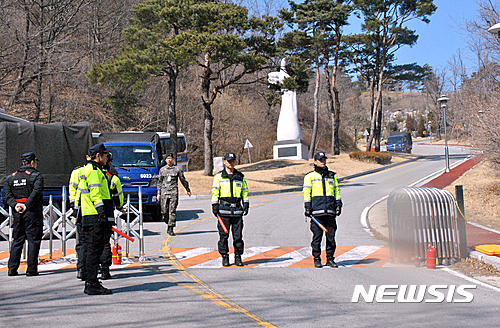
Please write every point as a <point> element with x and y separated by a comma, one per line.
<point>223,202</point>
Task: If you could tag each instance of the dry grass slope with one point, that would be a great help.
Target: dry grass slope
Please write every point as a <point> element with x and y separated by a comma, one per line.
<point>282,173</point>
<point>481,187</point>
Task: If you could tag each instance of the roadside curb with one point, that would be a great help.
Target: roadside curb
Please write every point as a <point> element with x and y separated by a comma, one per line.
<point>490,259</point>
<point>299,188</point>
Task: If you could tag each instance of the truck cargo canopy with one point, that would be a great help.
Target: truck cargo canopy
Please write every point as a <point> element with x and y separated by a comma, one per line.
<point>60,148</point>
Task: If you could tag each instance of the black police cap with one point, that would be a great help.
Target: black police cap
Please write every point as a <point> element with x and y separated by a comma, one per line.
<point>28,157</point>
<point>99,148</point>
<point>320,155</point>
<point>170,155</point>
<point>229,156</point>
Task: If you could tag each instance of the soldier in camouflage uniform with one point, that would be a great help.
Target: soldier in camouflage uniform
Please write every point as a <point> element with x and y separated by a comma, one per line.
<point>168,191</point>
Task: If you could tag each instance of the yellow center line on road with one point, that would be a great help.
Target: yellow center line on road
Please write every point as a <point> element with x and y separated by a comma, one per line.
<point>201,288</point>
<point>205,291</point>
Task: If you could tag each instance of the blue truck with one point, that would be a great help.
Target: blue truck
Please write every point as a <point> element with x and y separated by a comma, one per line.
<point>137,157</point>
<point>400,143</point>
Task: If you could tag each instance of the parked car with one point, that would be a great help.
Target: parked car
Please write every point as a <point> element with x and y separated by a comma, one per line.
<point>400,143</point>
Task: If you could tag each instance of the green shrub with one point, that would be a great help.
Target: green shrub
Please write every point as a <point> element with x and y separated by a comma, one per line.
<point>371,157</point>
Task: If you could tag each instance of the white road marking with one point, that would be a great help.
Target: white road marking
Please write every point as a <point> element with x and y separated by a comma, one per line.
<point>287,259</point>
<point>355,255</point>
<point>217,263</point>
<point>193,252</point>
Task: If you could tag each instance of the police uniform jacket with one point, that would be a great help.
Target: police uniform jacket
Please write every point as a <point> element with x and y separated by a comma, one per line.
<point>74,180</point>
<point>168,180</point>
<point>94,192</point>
<point>24,186</point>
<point>115,189</point>
<point>321,192</point>
<point>230,192</point>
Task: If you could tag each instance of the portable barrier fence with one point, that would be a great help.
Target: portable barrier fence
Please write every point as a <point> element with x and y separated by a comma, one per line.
<point>419,217</point>
<point>6,224</point>
<point>60,224</point>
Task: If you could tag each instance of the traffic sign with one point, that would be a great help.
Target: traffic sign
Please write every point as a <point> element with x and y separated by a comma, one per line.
<point>247,144</point>
<point>457,127</point>
<point>366,133</point>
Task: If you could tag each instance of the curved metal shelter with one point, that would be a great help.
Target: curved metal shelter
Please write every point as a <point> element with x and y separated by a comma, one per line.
<point>421,216</point>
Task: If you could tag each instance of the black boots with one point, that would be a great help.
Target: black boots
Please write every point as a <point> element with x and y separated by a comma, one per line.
<point>237,260</point>
<point>96,289</point>
<point>225,260</point>
<point>28,273</point>
<point>105,275</point>
<point>170,231</point>
<point>331,263</point>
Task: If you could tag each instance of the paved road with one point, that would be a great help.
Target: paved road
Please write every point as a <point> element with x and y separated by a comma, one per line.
<point>278,286</point>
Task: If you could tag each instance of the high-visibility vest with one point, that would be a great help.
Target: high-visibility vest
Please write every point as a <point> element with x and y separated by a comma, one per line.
<point>230,193</point>
<point>115,189</point>
<point>94,191</point>
<point>322,192</point>
<point>74,180</point>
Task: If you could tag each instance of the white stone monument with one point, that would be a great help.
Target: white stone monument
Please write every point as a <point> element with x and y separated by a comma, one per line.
<point>290,144</point>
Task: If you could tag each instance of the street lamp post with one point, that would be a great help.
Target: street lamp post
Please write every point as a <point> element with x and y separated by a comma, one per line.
<point>443,100</point>
<point>429,124</point>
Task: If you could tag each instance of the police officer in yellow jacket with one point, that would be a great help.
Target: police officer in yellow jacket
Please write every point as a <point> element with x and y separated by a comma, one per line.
<point>230,202</point>
<point>116,194</point>
<point>322,202</point>
<point>74,203</point>
<point>96,207</point>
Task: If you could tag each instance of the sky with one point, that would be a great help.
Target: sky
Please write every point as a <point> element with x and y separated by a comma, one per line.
<point>440,39</point>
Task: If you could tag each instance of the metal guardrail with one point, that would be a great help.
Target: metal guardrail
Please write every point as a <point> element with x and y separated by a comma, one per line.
<point>56,223</point>
<point>421,216</point>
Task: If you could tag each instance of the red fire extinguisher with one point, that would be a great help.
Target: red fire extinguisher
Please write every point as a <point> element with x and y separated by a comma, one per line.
<point>117,254</point>
<point>431,257</point>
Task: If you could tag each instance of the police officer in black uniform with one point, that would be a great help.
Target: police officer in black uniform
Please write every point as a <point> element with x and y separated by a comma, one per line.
<point>23,192</point>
